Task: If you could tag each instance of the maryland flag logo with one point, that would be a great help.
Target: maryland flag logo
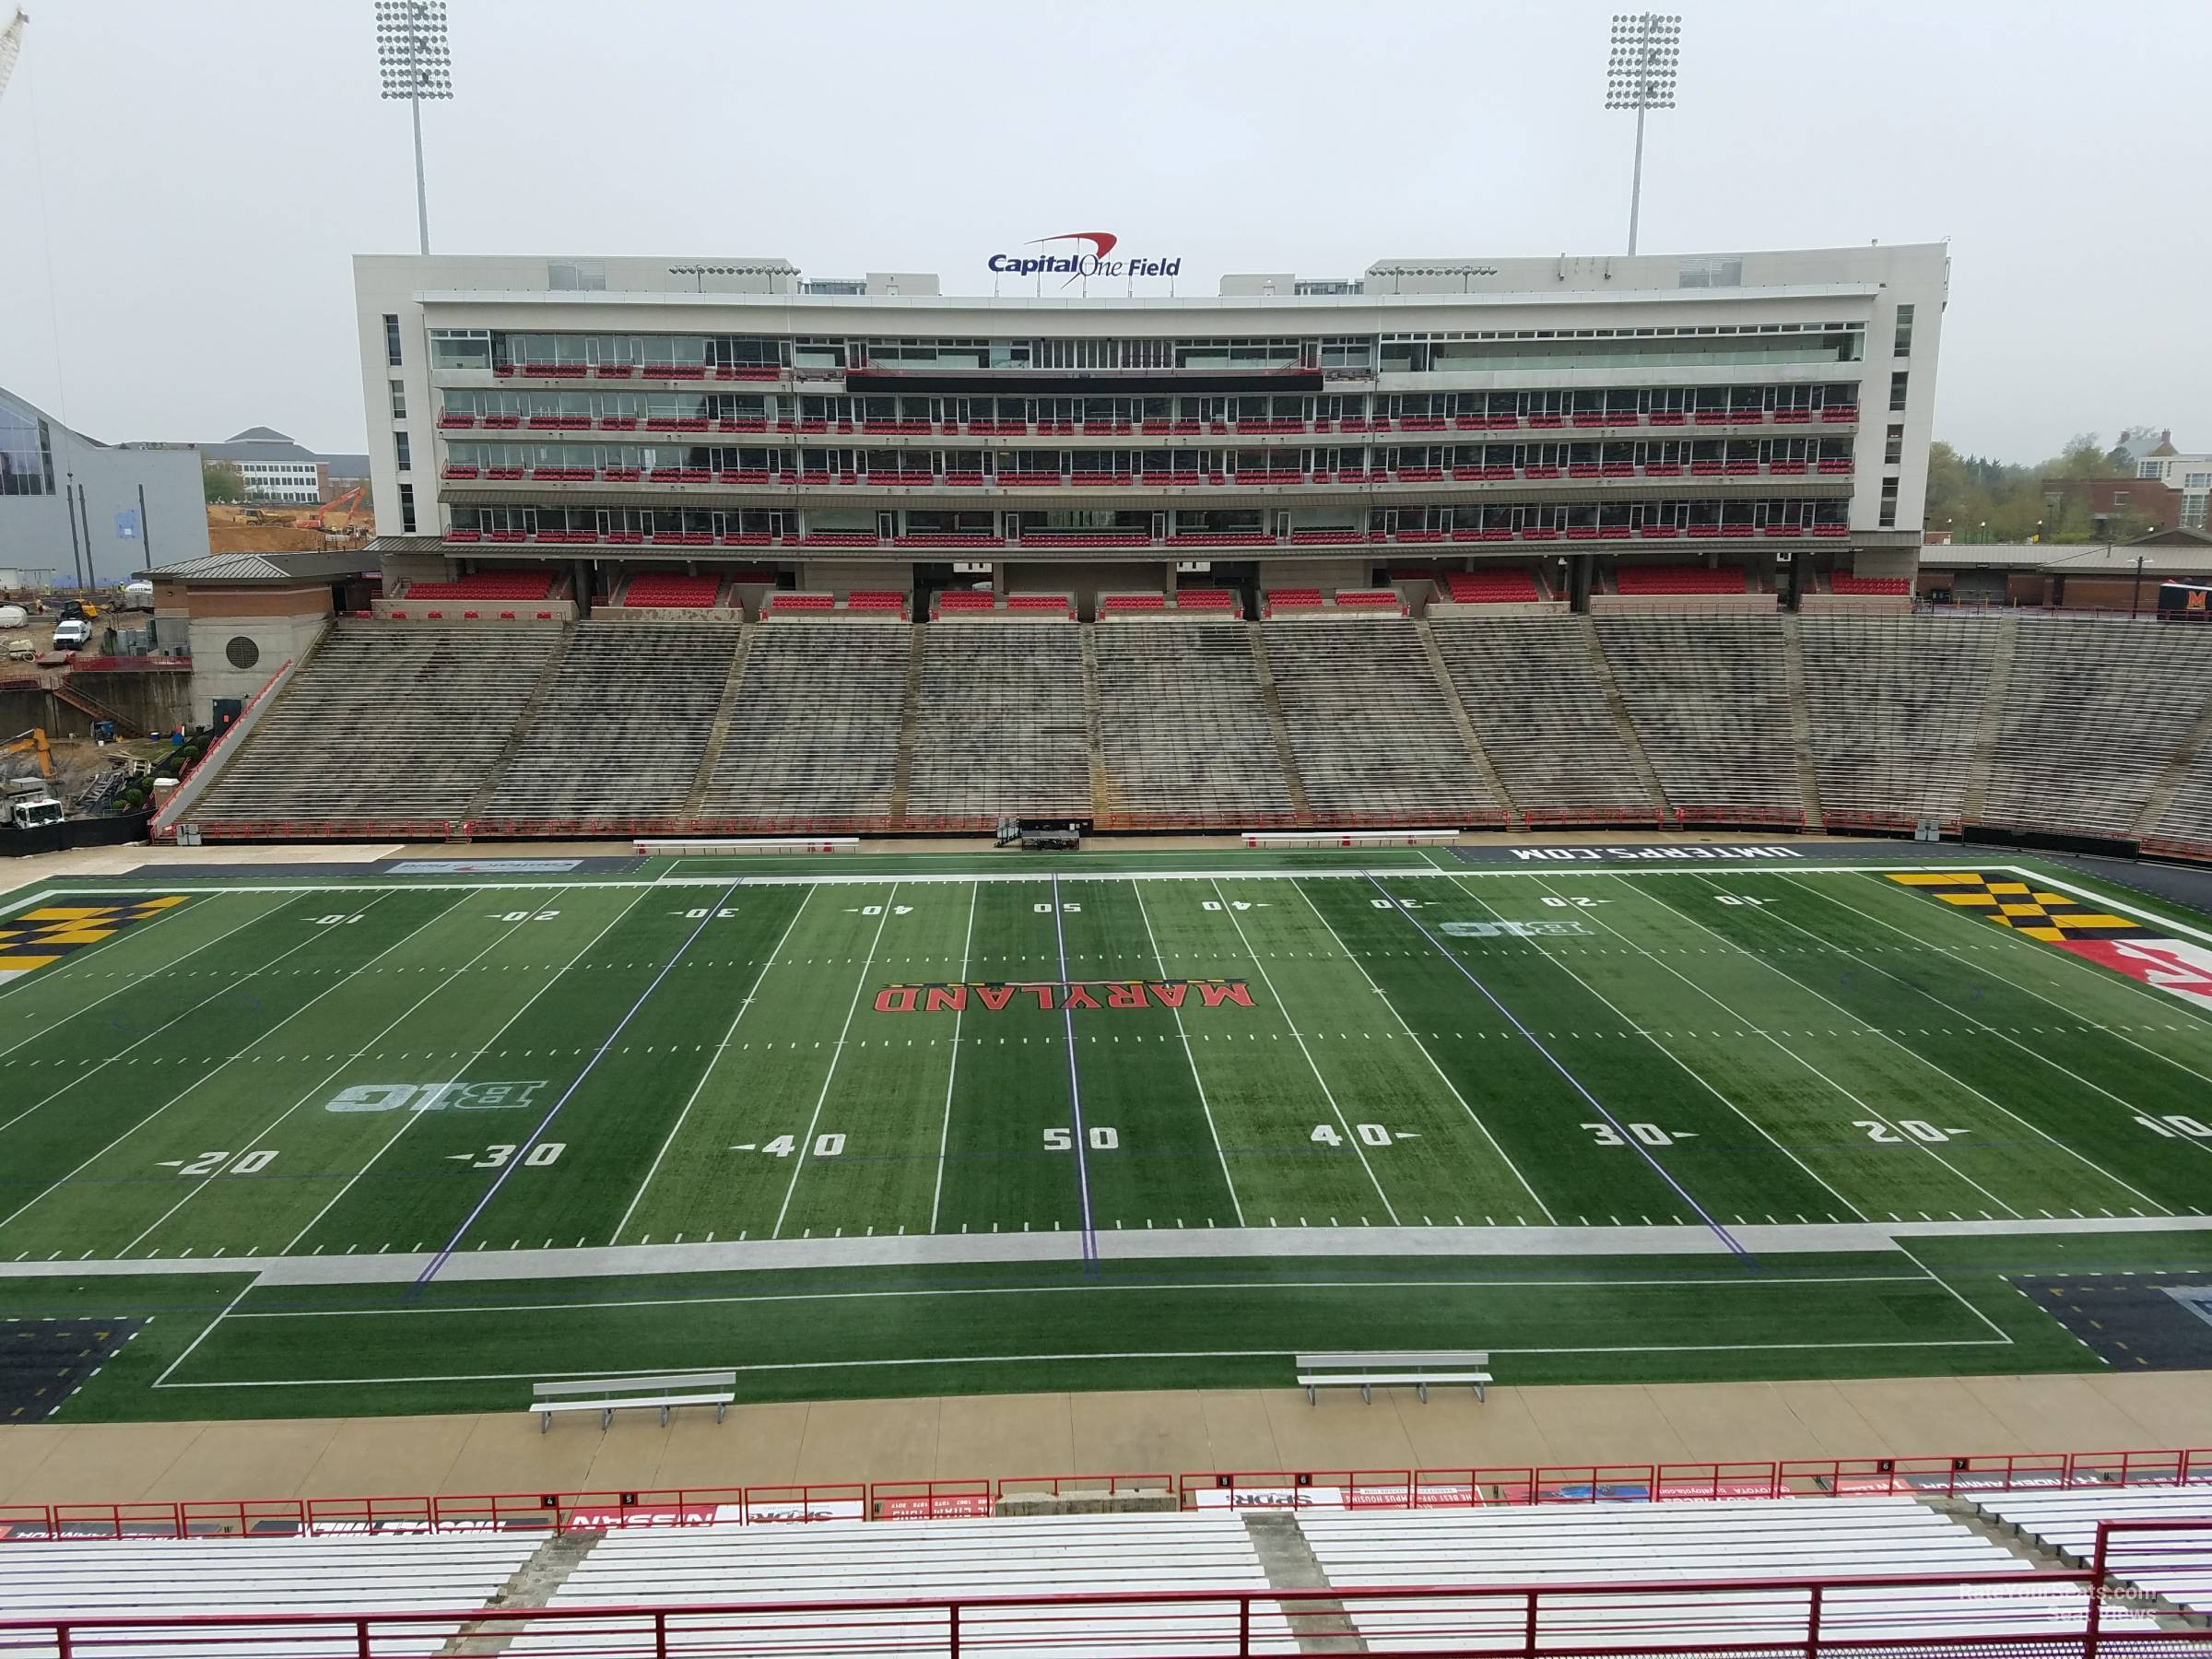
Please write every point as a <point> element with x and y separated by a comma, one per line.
<point>41,937</point>
<point>2123,944</point>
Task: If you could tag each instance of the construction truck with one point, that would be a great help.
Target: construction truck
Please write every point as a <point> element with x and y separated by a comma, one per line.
<point>29,805</point>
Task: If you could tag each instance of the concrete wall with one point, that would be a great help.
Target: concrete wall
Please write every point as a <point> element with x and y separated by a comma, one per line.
<point>274,639</point>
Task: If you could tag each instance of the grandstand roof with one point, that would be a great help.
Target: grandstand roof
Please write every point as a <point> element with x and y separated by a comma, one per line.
<point>260,567</point>
<point>2162,557</point>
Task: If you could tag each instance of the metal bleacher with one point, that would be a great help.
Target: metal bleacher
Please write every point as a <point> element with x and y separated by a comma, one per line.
<point>2172,1562</point>
<point>815,733</point>
<point>1182,728</point>
<point>1710,700</point>
<point>1895,707</point>
<point>1000,727</point>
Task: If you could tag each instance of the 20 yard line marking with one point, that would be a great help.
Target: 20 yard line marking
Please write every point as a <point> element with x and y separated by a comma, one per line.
<point>720,1049</point>
<point>535,1135</point>
<point>859,989</point>
<point>460,1071</point>
<point>952,1071</point>
<point>1138,889</point>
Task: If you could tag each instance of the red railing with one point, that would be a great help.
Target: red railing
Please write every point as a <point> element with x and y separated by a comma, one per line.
<point>1474,1488</point>
<point>2045,1614</point>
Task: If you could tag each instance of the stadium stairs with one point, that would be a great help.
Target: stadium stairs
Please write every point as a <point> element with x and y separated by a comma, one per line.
<point>2096,730</point>
<point>1294,1573</point>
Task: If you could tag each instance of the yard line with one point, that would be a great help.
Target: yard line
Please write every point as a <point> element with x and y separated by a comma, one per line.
<point>1138,888</point>
<point>462,1070</point>
<point>837,1054</point>
<point>1573,1082</point>
<point>2160,997</point>
<point>231,1060</point>
<point>1955,1291</point>
<point>531,1140</point>
<point>720,1049</point>
<point>1768,1037</point>
<point>137,931</point>
<point>953,1071</point>
<point>315,1089</point>
<point>1426,1055</point>
<point>208,1330</point>
<point>1298,1037</point>
<point>193,1008</point>
<point>1075,1090</point>
<point>2000,1036</point>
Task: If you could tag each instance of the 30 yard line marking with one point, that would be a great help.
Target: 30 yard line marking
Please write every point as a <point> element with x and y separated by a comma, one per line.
<point>1734,1244</point>
<point>1344,1123</point>
<point>538,1134</point>
<point>859,989</point>
<point>1418,1043</point>
<point>412,1118</point>
<point>203,1077</point>
<point>1182,1031</point>
<point>721,1050</point>
<point>952,1071</point>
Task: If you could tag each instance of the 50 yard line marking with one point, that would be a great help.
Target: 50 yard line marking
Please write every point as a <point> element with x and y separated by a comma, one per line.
<point>721,1052</point>
<point>798,1162</point>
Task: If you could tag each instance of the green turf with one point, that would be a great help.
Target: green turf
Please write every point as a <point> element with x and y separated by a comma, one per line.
<point>858,1053</point>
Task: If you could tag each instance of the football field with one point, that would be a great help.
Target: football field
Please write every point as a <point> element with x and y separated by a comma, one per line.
<point>868,1126</point>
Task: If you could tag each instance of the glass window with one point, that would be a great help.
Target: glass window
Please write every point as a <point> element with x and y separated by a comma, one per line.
<point>26,453</point>
<point>392,338</point>
<point>1905,332</point>
<point>400,451</point>
<point>1888,503</point>
<point>406,508</point>
<point>1897,390</point>
<point>1893,448</point>
<point>2151,469</point>
<point>399,400</point>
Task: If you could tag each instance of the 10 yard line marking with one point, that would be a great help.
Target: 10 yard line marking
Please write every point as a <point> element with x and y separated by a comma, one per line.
<point>531,1140</point>
<point>953,1071</point>
<point>722,1049</point>
<point>1137,887</point>
<point>412,1118</point>
<point>836,1055</point>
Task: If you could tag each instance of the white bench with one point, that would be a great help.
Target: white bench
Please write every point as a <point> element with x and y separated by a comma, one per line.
<point>606,1395</point>
<point>1367,1372</point>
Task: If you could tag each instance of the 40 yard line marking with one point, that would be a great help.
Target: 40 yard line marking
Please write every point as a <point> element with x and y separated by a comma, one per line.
<point>859,989</point>
<point>1182,1031</point>
<point>720,1053</point>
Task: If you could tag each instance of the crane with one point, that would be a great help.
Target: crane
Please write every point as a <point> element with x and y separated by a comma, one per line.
<point>11,45</point>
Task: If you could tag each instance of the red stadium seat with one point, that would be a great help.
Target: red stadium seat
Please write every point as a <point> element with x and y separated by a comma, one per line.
<point>669,590</point>
<point>1507,586</point>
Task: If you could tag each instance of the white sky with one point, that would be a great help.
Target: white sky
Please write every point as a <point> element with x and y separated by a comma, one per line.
<point>182,184</point>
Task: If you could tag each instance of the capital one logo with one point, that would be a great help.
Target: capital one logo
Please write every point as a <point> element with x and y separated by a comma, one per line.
<point>1082,254</point>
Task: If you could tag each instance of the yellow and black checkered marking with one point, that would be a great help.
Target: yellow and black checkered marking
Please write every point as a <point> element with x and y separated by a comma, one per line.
<point>2036,911</point>
<point>39,939</point>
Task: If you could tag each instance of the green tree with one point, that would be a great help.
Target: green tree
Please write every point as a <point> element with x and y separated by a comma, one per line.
<point>220,481</point>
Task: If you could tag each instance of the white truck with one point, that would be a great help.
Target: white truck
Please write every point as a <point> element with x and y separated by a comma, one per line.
<point>29,804</point>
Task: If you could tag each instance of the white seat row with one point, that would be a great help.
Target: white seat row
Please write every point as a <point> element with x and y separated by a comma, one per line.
<point>2176,1564</point>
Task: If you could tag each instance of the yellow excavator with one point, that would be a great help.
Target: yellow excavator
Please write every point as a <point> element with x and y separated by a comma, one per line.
<point>32,743</point>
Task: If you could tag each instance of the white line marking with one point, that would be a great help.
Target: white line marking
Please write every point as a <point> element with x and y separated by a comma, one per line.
<point>952,1071</point>
<point>1183,1032</point>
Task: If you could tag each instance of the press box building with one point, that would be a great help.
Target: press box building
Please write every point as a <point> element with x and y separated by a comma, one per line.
<point>1767,411</point>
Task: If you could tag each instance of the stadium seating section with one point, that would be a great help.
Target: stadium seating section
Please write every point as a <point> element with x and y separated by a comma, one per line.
<point>2085,726</point>
<point>666,590</point>
<point>1678,579</point>
<point>1490,587</point>
<point>513,585</point>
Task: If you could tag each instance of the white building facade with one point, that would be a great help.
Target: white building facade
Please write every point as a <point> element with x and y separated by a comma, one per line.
<point>1747,408</point>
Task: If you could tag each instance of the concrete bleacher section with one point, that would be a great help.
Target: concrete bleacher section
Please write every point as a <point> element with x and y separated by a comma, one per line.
<point>1531,687</point>
<point>814,735</point>
<point>2176,1564</point>
<point>1370,731</point>
<point>840,1560</point>
<point>1895,713</point>
<point>1001,726</point>
<point>622,729</point>
<point>2093,710</point>
<point>183,1577</point>
<point>1633,1544</point>
<point>384,722</point>
<point>1183,725</point>
<point>1710,699</point>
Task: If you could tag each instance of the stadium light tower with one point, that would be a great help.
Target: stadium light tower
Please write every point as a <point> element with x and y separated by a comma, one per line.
<point>1640,76</point>
<point>412,56</point>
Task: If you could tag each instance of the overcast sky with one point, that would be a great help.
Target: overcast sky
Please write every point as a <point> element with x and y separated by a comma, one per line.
<point>182,184</point>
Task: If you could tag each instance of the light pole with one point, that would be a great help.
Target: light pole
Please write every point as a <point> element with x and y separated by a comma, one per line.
<point>412,57</point>
<point>1640,76</point>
